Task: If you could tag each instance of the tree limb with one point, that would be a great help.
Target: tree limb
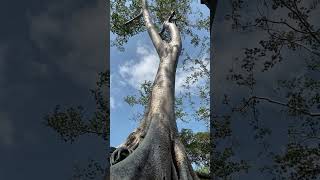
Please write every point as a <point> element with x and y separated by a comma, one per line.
<point>308,49</point>
<point>174,31</point>
<point>301,19</point>
<point>153,33</point>
<point>284,23</point>
<point>293,42</point>
<point>168,20</point>
<point>303,111</point>
<point>133,19</point>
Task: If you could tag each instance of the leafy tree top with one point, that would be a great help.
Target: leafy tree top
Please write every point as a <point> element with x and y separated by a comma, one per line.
<point>186,18</point>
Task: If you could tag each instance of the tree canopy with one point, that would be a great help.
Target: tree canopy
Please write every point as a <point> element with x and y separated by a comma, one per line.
<point>289,34</point>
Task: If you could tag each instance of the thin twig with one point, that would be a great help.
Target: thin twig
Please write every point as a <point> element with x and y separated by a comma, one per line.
<point>133,19</point>
<point>302,20</point>
<point>285,23</point>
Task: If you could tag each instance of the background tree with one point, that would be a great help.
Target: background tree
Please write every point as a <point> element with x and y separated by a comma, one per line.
<point>73,122</point>
<point>154,149</point>
<point>289,34</point>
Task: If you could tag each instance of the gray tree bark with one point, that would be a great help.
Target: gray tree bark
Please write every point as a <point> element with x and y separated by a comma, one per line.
<point>154,150</point>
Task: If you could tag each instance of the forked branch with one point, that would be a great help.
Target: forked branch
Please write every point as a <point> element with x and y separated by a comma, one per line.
<point>153,33</point>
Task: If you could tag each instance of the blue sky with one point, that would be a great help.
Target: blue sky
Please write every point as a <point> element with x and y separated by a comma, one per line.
<point>139,62</point>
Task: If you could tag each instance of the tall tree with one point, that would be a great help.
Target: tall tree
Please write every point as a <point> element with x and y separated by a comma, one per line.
<point>73,122</point>
<point>289,34</point>
<point>154,150</point>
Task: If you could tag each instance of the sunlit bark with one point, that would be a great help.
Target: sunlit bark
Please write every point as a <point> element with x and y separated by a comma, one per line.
<point>154,150</point>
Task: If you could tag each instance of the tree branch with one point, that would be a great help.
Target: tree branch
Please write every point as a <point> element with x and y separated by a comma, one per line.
<point>284,23</point>
<point>168,20</point>
<point>303,111</point>
<point>153,33</point>
<point>133,19</point>
<point>305,22</point>
<point>308,49</point>
<point>293,42</point>
<point>174,31</point>
<point>301,19</point>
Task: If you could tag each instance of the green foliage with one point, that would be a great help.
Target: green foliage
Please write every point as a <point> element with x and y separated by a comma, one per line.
<point>92,170</point>
<point>142,99</point>
<point>197,146</point>
<point>299,162</point>
<point>123,11</point>
<point>144,95</point>
<point>120,14</point>
<point>198,149</point>
<point>203,172</point>
<point>288,30</point>
<point>70,123</point>
<point>224,167</point>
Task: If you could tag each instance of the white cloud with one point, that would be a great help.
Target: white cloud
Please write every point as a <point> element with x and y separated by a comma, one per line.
<point>183,74</point>
<point>180,79</point>
<point>112,103</point>
<point>136,71</point>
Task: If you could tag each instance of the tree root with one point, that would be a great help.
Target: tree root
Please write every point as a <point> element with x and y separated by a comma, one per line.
<point>184,168</point>
<point>153,157</point>
<point>119,154</point>
<point>132,141</point>
<point>128,147</point>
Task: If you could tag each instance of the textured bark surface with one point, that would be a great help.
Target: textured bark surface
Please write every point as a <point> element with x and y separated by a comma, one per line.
<point>154,150</point>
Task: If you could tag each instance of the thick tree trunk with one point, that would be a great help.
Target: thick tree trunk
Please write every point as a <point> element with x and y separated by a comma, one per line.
<point>154,150</point>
